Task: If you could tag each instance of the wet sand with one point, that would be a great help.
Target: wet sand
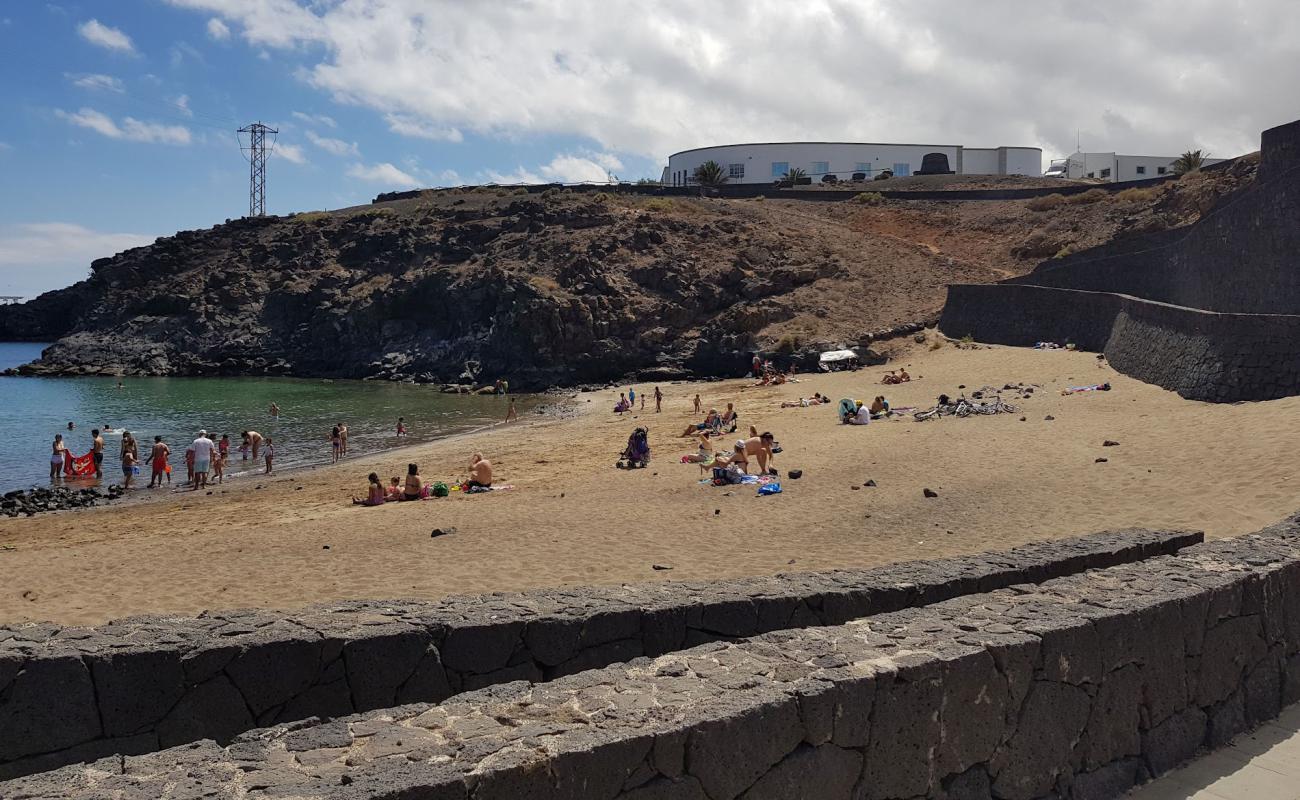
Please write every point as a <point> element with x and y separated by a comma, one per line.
<point>574,519</point>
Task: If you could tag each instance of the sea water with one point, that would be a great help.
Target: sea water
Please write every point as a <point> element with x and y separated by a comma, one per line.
<point>33,410</point>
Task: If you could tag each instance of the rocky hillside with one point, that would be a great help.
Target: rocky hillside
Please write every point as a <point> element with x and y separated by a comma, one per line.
<point>555,288</point>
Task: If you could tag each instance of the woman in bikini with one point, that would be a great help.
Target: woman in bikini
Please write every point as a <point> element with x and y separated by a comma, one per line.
<point>336,439</point>
<point>414,487</point>
<point>374,493</point>
<point>57,457</point>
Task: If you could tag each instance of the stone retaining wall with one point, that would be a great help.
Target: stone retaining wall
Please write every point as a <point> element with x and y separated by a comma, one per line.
<point>1074,689</point>
<point>1202,355</point>
<point>137,685</point>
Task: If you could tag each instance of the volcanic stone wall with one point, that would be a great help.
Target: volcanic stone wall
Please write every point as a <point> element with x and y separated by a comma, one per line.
<point>1242,256</point>
<point>1202,355</point>
<point>1075,689</point>
<point>137,685</point>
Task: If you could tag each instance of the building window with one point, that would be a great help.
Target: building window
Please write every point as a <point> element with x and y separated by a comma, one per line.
<point>820,168</point>
<point>780,168</point>
<point>1141,170</point>
<point>1105,173</point>
<point>862,166</point>
<point>735,170</point>
<point>1160,170</point>
<point>1092,174</point>
<point>902,170</point>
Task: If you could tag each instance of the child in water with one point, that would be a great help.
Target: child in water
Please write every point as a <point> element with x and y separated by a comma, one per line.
<point>401,426</point>
<point>269,450</point>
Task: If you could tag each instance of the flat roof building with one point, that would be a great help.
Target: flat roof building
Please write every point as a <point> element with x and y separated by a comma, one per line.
<point>771,161</point>
<point>1115,168</point>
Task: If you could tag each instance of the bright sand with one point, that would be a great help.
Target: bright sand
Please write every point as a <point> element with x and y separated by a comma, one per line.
<point>574,519</point>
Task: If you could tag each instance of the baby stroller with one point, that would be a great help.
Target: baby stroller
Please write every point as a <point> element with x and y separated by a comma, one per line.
<point>637,453</point>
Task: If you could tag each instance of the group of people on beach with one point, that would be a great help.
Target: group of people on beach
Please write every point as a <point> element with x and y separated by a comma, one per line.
<point>627,401</point>
<point>413,486</point>
<point>205,459</point>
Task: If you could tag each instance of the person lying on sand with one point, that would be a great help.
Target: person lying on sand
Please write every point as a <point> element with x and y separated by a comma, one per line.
<point>711,422</point>
<point>374,493</point>
<point>804,402</point>
<point>414,487</point>
<point>480,471</point>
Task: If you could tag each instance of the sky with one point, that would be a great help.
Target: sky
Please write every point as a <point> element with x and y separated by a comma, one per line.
<point>118,118</point>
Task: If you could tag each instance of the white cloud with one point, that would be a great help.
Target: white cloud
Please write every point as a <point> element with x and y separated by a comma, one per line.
<point>182,104</point>
<point>563,168</point>
<point>384,173</point>
<point>650,78</point>
<point>315,119</point>
<point>95,82</point>
<point>98,33</point>
<point>130,129</point>
<point>335,147</point>
<point>289,152</point>
<point>218,30</point>
<point>38,256</point>
<point>410,126</point>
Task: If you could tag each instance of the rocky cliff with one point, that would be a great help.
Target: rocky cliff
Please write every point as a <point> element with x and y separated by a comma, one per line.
<point>547,289</point>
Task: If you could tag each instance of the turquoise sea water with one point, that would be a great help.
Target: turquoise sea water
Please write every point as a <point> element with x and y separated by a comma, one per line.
<point>33,410</point>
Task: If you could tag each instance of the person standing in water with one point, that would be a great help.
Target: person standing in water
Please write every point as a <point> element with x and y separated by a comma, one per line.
<point>158,462</point>
<point>511,413</point>
<point>336,441</point>
<point>270,454</point>
<point>275,410</point>
<point>97,451</point>
<point>203,451</point>
<point>57,457</point>
<point>401,426</point>
<point>343,439</point>
<point>253,439</point>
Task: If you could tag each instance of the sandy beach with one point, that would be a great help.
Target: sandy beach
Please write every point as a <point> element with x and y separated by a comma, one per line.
<point>572,518</point>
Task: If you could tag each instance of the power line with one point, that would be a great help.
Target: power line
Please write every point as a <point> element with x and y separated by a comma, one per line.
<point>256,153</point>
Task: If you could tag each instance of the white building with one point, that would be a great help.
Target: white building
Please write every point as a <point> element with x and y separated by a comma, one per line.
<point>1115,168</point>
<point>767,162</point>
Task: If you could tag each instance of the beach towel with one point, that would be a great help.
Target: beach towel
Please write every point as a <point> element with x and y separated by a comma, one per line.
<point>847,406</point>
<point>769,488</point>
<point>1096,387</point>
<point>79,466</point>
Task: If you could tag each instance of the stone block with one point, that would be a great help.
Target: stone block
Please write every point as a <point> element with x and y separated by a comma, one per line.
<point>274,667</point>
<point>738,742</point>
<point>1263,690</point>
<point>1042,746</point>
<point>379,662</point>
<point>480,648</point>
<point>428,683</point>
<point>1175,740</point>
<point>49,706</point>
<point>553,640</point>
<point>212,710</point>
<point>1113,727</point>
<point>135,688</point>
<point>663,630</point>
<point>1110,781</point>
<point>1231,646</point>
<point>1227,719</point>
<point>973,713</point>
<point>826,772</point>
<point>685,788</point>
<point>973,784</point>
<point>730,618</point>
<point>904,727</point>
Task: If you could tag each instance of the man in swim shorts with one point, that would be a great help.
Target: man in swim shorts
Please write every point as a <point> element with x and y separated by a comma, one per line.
<point>98,450</point>
<point>158,460</point>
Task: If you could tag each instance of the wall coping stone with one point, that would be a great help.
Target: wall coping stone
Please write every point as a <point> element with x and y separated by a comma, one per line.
<point>1076,688</point>
<point>72,694</point>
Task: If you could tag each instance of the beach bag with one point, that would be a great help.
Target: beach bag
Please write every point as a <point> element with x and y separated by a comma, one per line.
<point>769,488</point>
<point>440,490</point>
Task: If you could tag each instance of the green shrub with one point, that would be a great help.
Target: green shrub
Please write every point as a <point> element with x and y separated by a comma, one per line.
<point>869,198</point>
<point>602,197</point>
<point>520,191</point>
<point>659,204</point>
<point>1064,251</point>
<point>1046,203</point>
<point>760,198</point>
<point>310,216</point>
<point>788,343</point>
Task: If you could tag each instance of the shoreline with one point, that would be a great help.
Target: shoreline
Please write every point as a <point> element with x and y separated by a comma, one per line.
<point>572,519</point>
<point>142,495</point>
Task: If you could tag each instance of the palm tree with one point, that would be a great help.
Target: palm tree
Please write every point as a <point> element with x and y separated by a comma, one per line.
<point>1191,161</point>
<point>710,173</point>
<point>795,174</point>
